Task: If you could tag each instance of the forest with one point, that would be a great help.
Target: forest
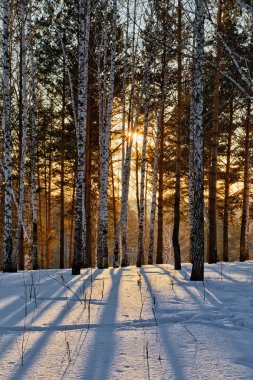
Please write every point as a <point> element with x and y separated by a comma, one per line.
<point>126,133</point>
<point>126,233</point>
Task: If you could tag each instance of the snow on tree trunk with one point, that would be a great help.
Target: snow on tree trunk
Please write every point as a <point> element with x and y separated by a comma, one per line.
<point>197,233</point>
<point>80,219</point>
<point>102,247</point>
<point>7,259</point>
<point>33,146</point>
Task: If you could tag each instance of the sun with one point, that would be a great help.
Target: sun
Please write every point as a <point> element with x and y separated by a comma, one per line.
<point>137,137</point>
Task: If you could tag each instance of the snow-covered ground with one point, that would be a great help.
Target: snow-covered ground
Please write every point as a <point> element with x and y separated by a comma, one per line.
<point>119,324</point>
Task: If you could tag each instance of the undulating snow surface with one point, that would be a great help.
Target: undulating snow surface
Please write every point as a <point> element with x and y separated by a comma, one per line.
<point>121,324</point>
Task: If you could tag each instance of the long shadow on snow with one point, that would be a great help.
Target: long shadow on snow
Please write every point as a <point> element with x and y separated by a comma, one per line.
<point>18,315</point>
<point>32,354</point>
<point>173,353</point>
<point>102,352</point>
<point>15,315</point>
<point>196,297</point>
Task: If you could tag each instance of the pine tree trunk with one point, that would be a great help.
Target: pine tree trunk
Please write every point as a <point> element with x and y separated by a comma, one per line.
<point>244,238</point>
<point>24,139</point>
<point>212,254</point>
<point>79,258</point>
<point>35,264</point>
<point>227,184</point>
<point>197,233</point>
<point>62,213</point>
<point>159,253</point>
<point>8,265</point>
<point>175,236</point>
<point>49,207</point>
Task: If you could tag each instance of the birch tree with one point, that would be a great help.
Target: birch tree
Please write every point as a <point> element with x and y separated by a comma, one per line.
<point>83,54</point>
<point>8,265</point>
<point>126,165</point>
<point>139,260</point>
<point>105,127</point>
<point>154,187</point>
<point>24,135</point>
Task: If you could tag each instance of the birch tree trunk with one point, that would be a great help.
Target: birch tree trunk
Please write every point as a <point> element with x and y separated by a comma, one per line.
<point>132,123</point>
<point>212,205</point>
<point>24,135</point>
<point>35,263</point>
<point>197,243</point>
<point>8,265</point>
<point>175,236</point>
<point>244,238</point>
<point>102,247</point>
<point>139,260</point>
<point>122,224</point>
<point>20,253</point>
<point>227,184</point>
<point>80,218</point>
<point>154,191</point>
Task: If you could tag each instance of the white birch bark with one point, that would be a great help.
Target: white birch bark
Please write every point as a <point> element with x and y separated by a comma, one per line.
<point>124,90</point>
<point>102,247</point>
<point>24,134</point>
<point>197,232</point>
<point>79,258</point>
<point>154,190</point>
<point>122,224</point>
<point>127,149</point>
<point>143,171</point>
<point>7,259</point>
<point>33,144</point>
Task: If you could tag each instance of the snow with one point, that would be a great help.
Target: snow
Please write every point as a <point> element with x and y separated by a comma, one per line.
<point>127,324</point>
